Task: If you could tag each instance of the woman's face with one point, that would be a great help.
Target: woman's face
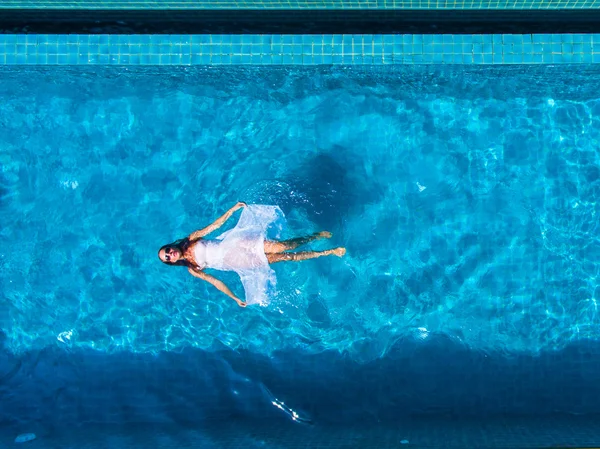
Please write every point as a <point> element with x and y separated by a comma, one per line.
<point>170,254</point>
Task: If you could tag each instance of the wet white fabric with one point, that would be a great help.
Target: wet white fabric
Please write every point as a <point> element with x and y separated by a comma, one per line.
<point>241,249</point>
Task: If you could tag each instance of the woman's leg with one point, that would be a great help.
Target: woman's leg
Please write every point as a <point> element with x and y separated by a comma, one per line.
<point>304,255</point>
<point>272,247</point>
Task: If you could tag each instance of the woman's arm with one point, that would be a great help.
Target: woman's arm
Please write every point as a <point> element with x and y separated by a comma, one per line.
<point>217,224</point>
<point>217,283</point>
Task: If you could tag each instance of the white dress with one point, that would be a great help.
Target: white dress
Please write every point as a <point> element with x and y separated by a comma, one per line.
<point>241,249</point>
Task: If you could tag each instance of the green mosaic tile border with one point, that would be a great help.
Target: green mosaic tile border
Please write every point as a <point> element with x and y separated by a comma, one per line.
<point>339,49</point>
<point>302,4</point>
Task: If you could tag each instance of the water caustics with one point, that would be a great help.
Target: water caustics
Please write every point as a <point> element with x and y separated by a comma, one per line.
<point>466,197</point>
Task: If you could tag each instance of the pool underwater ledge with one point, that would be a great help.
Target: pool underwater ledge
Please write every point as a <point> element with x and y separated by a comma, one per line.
<point>313,49</point>
<point>195,398</point>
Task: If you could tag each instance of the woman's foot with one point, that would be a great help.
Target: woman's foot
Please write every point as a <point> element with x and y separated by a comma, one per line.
<point>339,251</point>
<point>323,235</point>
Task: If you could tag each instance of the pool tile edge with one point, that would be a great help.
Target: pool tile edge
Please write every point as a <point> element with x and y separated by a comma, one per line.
<point>361,49</point>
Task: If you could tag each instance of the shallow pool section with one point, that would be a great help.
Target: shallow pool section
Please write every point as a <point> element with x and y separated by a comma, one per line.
<point>467,199</point>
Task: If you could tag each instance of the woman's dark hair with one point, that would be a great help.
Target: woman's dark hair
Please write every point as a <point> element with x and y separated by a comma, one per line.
<point>181,245</point>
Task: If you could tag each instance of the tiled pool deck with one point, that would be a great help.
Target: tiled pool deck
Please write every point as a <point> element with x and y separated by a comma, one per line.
<point>298,49</point>
<point>302,4</point>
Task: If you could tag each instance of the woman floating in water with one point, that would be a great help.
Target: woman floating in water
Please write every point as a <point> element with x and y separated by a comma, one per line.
<point>244,249</point>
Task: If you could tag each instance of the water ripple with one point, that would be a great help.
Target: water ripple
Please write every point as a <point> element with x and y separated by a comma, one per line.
<point>467,198</point>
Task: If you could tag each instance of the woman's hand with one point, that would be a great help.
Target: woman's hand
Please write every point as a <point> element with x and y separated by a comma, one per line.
<point>240,303</point>
<point>239,205</point>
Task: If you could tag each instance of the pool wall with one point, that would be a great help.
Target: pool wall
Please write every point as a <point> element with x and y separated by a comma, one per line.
<point>345,32</point>
<point>212,49</point>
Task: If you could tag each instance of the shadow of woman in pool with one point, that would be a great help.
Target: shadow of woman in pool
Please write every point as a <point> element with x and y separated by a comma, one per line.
<point>332,186</point>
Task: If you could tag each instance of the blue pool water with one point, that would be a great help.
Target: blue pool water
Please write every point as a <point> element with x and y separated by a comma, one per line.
<point>466,197</point>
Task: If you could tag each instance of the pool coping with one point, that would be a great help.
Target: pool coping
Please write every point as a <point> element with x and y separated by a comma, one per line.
<point>303,4</point>
<point>187,50</point>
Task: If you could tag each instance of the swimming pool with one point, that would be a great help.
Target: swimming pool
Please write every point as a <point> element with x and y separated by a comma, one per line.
<point>466,197</point>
